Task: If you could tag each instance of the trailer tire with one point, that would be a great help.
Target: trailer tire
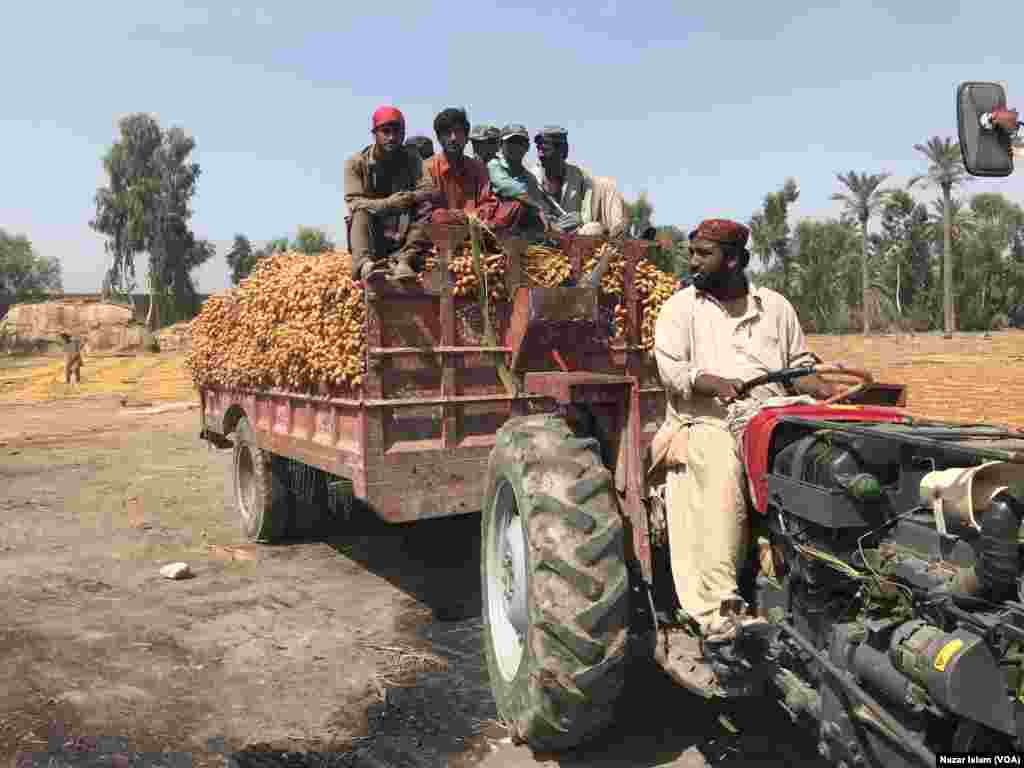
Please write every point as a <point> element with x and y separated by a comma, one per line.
<point>262,490</point>
<point>554,583</point>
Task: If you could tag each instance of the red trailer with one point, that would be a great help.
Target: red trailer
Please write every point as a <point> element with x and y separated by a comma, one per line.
<point>414,442</point>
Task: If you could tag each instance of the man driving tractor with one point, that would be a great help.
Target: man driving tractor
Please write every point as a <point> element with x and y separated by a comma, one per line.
<point>709,339</point>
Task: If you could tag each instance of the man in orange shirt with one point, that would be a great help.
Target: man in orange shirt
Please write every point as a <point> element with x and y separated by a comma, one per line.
<point>462,182</point>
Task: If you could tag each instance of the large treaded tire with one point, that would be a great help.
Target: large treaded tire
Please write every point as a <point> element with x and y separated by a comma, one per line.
<point>573,584</point>
<point>262,490</point>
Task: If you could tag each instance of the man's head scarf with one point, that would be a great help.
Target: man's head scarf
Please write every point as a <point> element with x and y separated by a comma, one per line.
<point>721,231</point>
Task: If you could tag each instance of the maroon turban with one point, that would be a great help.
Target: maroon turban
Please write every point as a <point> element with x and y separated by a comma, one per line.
<point>721,231</point>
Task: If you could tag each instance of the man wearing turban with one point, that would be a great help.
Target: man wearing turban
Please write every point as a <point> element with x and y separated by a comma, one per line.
<point>710,338</point>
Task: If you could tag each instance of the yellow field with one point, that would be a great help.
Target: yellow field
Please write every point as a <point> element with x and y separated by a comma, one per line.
<point>149,378</point>
<point>967,378</point>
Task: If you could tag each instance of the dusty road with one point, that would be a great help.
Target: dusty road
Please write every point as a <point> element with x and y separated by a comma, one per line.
<point>360,648</point>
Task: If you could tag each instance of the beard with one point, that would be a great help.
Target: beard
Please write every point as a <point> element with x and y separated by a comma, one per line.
<point>712,282</point>
<point>553,166</point>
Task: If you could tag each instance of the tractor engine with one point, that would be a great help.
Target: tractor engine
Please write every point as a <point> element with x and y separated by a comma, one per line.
<point>894,555</point>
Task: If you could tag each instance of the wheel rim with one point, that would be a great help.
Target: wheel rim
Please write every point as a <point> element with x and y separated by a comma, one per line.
<point>506,587</point>
<point>246,486</point>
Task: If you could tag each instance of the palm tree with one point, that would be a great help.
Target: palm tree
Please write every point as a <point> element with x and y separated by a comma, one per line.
<point>945,171</point>
<point>862,199</point>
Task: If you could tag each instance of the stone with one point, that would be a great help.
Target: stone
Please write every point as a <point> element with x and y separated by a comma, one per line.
<point>176,571</point>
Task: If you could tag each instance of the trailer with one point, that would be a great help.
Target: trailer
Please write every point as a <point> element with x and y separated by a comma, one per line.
<point>414,442</point>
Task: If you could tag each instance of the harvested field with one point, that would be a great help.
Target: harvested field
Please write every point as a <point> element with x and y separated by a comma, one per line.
<point>364,644</point>
<point>140,378</point>
<point>971,377</point>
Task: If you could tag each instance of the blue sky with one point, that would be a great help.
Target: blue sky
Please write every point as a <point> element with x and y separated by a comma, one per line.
<point>705,106</point>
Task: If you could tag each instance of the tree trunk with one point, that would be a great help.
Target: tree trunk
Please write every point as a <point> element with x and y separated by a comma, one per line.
<point>899,300</point>
<point>864,276</point>
<point>949,322</point>
<point>153,315</point>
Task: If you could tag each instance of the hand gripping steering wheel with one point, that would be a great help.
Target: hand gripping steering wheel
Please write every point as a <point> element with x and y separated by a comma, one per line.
<point>787,375</point>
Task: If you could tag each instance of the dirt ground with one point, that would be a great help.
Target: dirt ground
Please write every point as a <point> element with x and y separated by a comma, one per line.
<point>361,648</point>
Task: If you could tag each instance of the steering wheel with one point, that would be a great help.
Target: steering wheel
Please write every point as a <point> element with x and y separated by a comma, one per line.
<point>787,375</point>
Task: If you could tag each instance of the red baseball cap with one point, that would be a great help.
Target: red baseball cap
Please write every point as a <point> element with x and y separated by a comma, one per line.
<point>385,115</point>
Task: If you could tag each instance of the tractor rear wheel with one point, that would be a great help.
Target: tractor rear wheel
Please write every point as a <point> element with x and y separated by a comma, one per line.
<point>261,488</point>
<point>555,584</point>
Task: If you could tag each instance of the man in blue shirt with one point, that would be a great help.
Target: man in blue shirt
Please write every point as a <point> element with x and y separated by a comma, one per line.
<point>520,201</point>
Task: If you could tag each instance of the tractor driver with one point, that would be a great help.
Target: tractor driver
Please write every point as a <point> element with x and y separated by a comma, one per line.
<point>710,338</point>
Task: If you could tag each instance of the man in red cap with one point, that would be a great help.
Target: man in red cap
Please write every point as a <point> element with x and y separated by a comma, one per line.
<point>709,339</point>
<point>388,194</point>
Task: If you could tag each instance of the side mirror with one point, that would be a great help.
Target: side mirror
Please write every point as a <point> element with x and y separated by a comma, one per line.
<point>985,147</point>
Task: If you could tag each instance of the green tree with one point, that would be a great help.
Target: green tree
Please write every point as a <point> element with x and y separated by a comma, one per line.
<point>904,247</point>
<point>146,208</point>
<point>174,251</point>
<point>24,273</point>
<point>770,233</point>
<point>945,171</point>
<point>122,206</point>
<point>990,278</point>
<point>639,215</point>
<point>961,230</point>
<point>311,241</point>
<point>823,267</point>
<point>277,245</point>
<point>672,252</point>
<point>862,199</point>
<point>241,259</point>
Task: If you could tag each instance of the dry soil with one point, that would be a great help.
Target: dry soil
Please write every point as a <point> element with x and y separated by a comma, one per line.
<point>359,648</point>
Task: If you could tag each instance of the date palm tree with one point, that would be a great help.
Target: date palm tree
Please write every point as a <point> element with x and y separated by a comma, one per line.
<point>945,171</point>
<point>862,200</point>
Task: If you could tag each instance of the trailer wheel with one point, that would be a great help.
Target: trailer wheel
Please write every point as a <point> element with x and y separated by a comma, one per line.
<point>555,584</point>
<point>261,488</point>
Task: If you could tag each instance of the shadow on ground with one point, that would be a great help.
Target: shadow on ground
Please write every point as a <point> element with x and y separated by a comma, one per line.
<point>449,718</point>
<point>430,719</point>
